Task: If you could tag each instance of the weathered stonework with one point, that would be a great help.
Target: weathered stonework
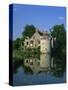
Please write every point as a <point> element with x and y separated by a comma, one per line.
<point>37,40</point>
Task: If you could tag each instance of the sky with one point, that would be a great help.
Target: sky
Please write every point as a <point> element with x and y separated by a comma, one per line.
<point>42,17</point>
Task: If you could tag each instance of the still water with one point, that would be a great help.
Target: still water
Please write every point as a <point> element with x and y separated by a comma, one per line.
<point>42,69</point>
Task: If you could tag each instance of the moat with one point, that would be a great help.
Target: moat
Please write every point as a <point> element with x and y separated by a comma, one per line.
<point>42,69</point>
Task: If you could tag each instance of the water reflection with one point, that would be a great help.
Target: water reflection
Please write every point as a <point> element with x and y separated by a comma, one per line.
<point>39,69</point>
<point>35,64</point>
<point>58,66</point>
<point>45,61</point>
<point>38,64</point>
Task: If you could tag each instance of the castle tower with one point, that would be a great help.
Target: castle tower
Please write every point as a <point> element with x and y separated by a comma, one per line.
<point>45,43</point>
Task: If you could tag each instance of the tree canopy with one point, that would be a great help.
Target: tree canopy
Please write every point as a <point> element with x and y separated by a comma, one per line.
<point>29,30</point>
<point>17,43</point>
<point>60,33</point>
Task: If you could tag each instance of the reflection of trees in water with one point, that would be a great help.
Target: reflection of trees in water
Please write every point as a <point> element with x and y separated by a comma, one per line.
<point>55,65</point>
<point>16,65</point>
<point>32,64</point>
<point>59,65</point>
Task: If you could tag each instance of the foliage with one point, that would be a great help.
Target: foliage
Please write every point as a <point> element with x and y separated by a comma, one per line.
<point>40,32</point>
<point>60,33</point>
<point>18,54</point>
<point>17,43</point>
<point>29,30</point>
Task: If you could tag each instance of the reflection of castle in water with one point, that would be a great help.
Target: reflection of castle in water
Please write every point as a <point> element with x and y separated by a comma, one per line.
<point>38,65</point>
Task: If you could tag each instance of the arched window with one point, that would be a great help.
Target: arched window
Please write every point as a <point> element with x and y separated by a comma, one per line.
<point>27,43</point>
<point>26,61</point>
<point>31,42</point>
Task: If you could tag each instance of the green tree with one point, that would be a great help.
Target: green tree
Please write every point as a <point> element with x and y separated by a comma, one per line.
<point>17,43</point>
<point>29,30</point>
<point>60,33</point>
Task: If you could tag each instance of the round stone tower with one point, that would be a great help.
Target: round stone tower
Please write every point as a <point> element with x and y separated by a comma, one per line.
<point>45,43</point>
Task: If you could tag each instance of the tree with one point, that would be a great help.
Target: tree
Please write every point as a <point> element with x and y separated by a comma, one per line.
<point>60,33</point>
<point>29,30</point>
<point>17,43</point>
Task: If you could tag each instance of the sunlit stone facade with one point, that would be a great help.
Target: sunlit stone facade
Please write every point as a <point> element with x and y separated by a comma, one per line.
<point>43,41</point>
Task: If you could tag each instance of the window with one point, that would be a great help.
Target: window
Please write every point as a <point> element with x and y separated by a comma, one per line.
<point>26,61</point>
<point>31,41</point>
<point>31,63</point>
<point>27,43</point>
